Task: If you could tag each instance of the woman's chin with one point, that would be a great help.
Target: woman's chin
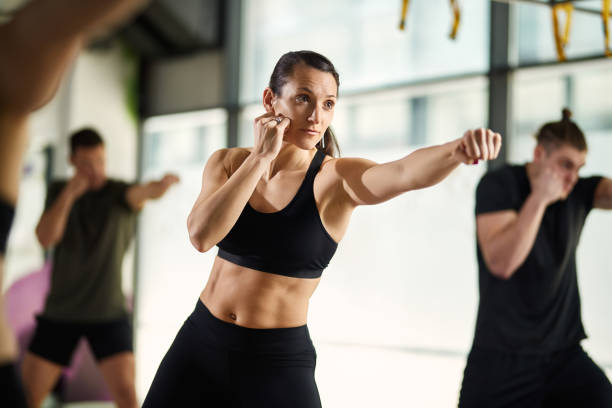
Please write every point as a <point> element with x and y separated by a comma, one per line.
<point>302,143</point>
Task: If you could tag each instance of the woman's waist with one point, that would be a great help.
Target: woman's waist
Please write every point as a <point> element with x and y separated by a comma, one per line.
<point>256,299</point>
<point>225,335</point>
<point>250,309</point>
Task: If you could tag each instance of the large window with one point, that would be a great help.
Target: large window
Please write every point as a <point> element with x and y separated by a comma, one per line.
<point>362,39</point>
<point>394,315</point>
<point>25,254</point>
<point>536,41</point>
<point>171,273</point>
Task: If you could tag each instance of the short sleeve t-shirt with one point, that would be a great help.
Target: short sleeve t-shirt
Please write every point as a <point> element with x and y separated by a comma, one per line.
<point>86,272</point>
<point>537,310</point>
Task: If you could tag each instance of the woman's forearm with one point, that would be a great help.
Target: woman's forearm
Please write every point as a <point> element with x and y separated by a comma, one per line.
<point>421,168</point>
<point>214,216</point>
<point>428,166</point>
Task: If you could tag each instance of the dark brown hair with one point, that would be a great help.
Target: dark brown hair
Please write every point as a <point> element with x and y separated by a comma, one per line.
<point>86,137</point>
<point>284,69</point>
<point>555,134</point>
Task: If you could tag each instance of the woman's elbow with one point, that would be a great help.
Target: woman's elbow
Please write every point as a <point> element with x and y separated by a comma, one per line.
<point>199,244</point>
<point>197,236</point>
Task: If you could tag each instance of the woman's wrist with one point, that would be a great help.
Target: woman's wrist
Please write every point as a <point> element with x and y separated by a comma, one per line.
<point>457,155</point>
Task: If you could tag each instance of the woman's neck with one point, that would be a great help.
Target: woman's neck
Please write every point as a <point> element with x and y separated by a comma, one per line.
<point>289,158</point>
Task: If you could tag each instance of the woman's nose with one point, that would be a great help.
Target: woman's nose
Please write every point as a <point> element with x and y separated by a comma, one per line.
<point>314,115</point>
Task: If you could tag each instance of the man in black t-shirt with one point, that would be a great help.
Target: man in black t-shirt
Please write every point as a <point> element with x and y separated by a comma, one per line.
<point>526,351</point>
<point>89,220</point>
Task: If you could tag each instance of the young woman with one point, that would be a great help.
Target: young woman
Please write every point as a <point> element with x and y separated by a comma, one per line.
<point>36,47</point>
<point>277,211</point>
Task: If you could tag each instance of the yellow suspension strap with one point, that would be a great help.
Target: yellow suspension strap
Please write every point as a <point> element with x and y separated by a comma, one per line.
<point>605,15</point>
<point>402,24</point>
<point>457,18</point>
<point>561,40</point>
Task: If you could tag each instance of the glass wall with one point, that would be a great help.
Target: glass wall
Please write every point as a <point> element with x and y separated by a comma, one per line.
<point>25,254</point>
<point>394,315</point>
<point>535,36</point>
<point>171,272</point>
<point>362,39</point>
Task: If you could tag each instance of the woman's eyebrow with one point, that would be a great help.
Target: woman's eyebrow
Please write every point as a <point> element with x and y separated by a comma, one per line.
<point>309,91</point>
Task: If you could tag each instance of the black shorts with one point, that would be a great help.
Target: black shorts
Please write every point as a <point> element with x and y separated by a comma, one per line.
<point>567,378</point>
<point>56,340</point>
<point>11,391</point>
<point>216,364</point>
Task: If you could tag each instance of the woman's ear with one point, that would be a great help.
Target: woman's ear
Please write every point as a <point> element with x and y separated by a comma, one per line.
<point>268,100</point>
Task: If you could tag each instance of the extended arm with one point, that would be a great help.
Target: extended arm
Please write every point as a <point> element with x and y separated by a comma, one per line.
<point>603,195</point>
<point>369,183</point>
<point>137,195</point>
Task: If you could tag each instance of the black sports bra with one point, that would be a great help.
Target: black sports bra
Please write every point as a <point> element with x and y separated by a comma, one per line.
<point>7,213</point>
<point>290,242</point>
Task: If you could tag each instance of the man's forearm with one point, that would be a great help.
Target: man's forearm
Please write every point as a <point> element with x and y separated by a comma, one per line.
<point>507,250</point>
<point>52,224</point>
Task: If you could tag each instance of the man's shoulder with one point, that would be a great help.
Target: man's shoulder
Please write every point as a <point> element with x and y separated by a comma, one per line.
<point>117,184</point>
<point>504,174</point>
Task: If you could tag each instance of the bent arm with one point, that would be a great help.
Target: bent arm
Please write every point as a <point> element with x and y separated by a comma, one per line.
<point>52,223</point>
<point>603,195</point>
<point>137,195</point>
<point>222,198</point>
<point>507,237</point>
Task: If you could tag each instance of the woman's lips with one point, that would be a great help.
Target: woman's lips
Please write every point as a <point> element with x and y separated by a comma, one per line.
<point>311,132</point>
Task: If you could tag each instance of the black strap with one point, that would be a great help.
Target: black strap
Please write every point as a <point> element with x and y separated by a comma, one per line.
<point>315,164</point>
<point>7,213</point>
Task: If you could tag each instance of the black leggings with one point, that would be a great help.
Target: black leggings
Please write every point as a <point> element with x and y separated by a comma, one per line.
<point>212,363</point>
<point>11,390</point>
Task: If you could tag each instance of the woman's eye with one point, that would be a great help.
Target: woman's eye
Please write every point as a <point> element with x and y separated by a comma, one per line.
<point>329,104</point>
<point>301,98</point>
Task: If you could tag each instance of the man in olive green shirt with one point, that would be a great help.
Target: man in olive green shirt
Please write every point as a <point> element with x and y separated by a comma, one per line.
<point>90,221</point>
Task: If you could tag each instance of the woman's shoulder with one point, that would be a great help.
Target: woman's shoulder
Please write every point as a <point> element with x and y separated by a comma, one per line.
<point>230,157</point>
<point>230,154</point>
<point>340,165</point>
